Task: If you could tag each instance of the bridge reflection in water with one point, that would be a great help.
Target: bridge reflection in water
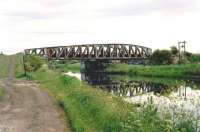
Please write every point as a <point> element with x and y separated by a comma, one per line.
<point>94,73</point>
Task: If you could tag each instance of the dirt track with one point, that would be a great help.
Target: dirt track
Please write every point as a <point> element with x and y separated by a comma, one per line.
<point>27,108</point>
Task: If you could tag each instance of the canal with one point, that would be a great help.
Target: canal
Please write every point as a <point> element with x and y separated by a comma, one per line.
<point>168,95</point>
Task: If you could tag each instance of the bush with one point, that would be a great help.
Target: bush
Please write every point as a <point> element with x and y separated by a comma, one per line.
<point>161,57</point>
<point>33,63</point>
<point>194,58</point>
<point>174,50</point>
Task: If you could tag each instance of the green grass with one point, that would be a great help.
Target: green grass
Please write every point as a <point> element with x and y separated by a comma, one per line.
<point>169,71</point>
<point>19,70</point>
<point>4,64</point>
<point>93,110</point>
<point>73,67</point>
<point>90,109</point>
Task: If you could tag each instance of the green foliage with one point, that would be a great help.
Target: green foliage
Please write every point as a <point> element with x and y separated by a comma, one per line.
<point>33,62</point>
<point>174,50</point>
<point>194,58</point>
<point>161,57</point>
<point>66,66</point>
<point>90,109</point>
<point>19,69</point>
<point>171,71</point>
<point>4,65</point>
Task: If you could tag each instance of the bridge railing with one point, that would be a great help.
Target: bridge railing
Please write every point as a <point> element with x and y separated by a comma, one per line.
<point>93,51</point>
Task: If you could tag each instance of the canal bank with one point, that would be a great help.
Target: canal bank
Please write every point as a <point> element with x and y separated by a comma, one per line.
<point>184,71</point>
<point>92,109</point>
<point>169,96</point>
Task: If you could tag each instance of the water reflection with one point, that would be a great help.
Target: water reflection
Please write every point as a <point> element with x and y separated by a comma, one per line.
<point>134,88</point>
<point>179,95</point>
<point>121,85</point>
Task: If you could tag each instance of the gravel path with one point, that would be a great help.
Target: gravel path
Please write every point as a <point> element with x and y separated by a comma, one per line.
<point>28,108</point>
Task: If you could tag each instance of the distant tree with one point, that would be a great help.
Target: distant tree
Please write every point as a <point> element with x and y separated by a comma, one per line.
<point>161,57</point>
<point>174,50</point>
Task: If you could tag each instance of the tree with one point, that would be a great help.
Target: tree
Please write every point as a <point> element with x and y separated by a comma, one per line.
<point>161,57</point>
<point>174,50</point>
<point>33,63</point>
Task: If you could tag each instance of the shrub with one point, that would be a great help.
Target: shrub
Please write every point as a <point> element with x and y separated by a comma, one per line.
<point>161,57</point>
<point>174,50</point>
<point>33,63</point>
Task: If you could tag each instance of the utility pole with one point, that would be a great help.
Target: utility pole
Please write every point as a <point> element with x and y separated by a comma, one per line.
<point>181,48</point>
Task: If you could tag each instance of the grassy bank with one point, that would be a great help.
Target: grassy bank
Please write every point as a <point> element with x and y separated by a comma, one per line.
<point>168,71</point>
<point>4,64</point>
<point>66,66</point>
<point>93,110</point>
<point>90,109</point>
<point>19,70</point>
<point>87,109</point>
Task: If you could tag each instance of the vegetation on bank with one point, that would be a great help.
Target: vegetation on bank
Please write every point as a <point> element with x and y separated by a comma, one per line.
<point>66,66</point>
<point>19,67</point>
<point>173,56</point>
<point>90,109</point>
<point>4,65</point>
<point>163,63</point>
<point>168,71</point>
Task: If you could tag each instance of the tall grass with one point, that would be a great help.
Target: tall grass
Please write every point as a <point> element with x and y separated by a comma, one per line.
<point>90,109</point>
<point>4,65</point>
<point>93,110</point>
<point>19,69</point>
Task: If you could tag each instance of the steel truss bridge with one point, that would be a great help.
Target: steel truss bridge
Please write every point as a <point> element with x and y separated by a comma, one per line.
<point>93,52</point>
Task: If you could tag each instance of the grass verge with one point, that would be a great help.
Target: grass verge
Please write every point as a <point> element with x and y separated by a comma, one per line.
<point>171,71</point>
<point>88,109</point>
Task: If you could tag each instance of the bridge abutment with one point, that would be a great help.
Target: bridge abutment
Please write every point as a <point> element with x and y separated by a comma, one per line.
<point>94,71</point>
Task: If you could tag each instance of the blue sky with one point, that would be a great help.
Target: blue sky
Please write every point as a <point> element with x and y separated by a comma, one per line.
<point>151,23</point>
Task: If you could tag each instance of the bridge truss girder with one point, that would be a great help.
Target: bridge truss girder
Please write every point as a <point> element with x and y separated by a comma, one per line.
<point>93,52</point>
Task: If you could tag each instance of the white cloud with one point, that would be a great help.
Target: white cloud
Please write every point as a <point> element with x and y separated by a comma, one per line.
<point>152,23</point>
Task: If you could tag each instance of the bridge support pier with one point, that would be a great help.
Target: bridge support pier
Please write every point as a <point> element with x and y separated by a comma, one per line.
<point>94,71</point>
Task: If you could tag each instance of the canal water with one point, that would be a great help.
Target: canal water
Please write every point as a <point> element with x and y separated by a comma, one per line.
<point>167,94</point>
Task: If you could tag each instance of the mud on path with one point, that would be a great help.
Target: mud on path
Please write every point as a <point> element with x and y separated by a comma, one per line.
<point>28,108</point>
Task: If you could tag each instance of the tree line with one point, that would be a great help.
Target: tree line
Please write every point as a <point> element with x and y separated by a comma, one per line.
<point>172,56</point>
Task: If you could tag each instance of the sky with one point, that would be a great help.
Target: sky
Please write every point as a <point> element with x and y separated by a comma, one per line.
<point>151,23</point>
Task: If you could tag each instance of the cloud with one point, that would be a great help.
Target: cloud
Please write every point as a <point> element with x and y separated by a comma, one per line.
<point>144,7</point>
<point>153,23</point>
